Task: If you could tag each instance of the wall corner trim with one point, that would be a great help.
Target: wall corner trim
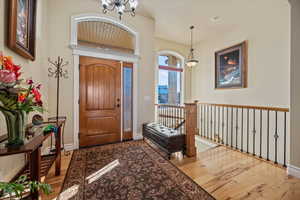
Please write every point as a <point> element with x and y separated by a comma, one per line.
<point>293,171</point>
<point>138,136</point>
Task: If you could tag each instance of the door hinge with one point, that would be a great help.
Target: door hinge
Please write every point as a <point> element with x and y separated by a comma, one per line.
<point>78,101</point>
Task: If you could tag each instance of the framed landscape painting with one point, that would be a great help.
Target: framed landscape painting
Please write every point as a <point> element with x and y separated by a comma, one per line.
<point>231,67</point>
<point>21,26</point>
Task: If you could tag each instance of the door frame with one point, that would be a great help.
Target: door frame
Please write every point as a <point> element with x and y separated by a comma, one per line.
<point>102,54</point>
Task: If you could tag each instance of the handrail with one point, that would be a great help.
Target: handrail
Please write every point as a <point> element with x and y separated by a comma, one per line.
<point>170,106</point>
<point>241,127</point>
<point>248,107</point>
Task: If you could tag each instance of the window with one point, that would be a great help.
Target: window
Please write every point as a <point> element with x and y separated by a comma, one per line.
<point>169,79</point>
<point>127,100</point>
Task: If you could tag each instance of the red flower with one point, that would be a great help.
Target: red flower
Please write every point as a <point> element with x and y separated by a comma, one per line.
<point>1,58</point>
<point>21,97</point>
<point>30,82</point>
<point>10,66</point>
<point>39,86</point>
<point>37,95</point>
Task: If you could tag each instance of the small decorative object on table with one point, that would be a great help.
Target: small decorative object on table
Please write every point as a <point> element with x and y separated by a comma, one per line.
<point>50,128</point>
<point>37,120</point>
<point>17,99</point>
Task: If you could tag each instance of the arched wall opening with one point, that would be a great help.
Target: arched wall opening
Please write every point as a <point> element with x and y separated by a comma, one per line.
<point>179,68</point>
<point>111,54</point>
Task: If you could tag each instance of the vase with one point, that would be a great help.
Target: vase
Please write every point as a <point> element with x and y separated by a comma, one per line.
<point>16,125</point>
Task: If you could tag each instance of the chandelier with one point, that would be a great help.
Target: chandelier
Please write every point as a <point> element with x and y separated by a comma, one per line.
<point>121,6</point>
<point>192,62</point>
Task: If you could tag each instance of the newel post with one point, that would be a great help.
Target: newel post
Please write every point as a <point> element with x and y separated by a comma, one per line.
<point>191,128</point>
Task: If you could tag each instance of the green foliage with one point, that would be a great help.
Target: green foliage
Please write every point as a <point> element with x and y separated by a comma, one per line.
<point>18,187</point>
<point>8,101</point>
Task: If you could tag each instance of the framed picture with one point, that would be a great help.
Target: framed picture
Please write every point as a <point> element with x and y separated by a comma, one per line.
<point>231,67</point>
<point>21,26</point>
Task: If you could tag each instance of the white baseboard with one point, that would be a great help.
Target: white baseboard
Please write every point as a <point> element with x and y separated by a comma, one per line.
<point>68,147</point>
<point>293,171</point>
<point>138,136</point>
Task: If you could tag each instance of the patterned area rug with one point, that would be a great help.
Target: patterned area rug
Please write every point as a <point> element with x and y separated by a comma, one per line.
<point>143,174</point>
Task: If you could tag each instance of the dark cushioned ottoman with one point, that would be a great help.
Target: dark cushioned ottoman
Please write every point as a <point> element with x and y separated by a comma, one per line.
<point>167,139</point>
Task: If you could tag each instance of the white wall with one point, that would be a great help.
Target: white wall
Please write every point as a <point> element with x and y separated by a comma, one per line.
<point>9,166</point>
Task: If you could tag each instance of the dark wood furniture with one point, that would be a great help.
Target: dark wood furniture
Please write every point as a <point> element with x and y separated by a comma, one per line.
<point>37,165</point>
<point>168,140</point>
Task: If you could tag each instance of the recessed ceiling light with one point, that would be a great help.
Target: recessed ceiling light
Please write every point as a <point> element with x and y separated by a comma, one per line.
<point>215,19</point>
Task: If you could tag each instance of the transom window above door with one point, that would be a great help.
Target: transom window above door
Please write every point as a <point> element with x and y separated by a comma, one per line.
<point>170,73</point>
<point>105,36</point>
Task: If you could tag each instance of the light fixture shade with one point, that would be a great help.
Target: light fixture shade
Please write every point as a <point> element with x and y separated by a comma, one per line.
<point>133,4</point>
<point>121,9</point>
<point>121,6</point>
<point>105,3</point>
<point>192,63</point>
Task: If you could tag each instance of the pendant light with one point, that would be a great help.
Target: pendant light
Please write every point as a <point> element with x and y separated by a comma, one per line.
<point>191,62</point>
<point>120,6</point>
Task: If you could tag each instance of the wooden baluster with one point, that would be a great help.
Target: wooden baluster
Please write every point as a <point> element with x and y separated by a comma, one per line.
<point>191,128</point>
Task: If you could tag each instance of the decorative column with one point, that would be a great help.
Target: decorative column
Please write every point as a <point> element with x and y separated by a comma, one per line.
<point>190,128</point>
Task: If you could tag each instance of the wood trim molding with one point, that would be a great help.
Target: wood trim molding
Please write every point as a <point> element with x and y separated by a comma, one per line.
<point>170,68</point>
<point>249,107</point>
<point>191,129</point>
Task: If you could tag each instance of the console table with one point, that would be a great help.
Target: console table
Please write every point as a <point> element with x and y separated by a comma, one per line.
<point>37,165</point>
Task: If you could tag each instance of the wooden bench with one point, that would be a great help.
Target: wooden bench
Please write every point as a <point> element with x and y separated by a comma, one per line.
<point>167,139</point>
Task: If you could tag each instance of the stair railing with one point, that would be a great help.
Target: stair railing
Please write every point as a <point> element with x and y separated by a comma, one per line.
<point>257,130</point>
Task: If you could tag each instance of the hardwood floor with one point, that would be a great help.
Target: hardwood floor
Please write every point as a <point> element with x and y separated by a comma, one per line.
<point>228,174</point>
<point>56,182</point>
<point>225,173</point>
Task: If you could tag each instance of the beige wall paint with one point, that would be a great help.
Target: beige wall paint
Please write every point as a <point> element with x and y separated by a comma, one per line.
<point>37,70</point>
<point>295,83</point>
<point>60,13</point>
<point>268,36</point>
<point>163,45</point>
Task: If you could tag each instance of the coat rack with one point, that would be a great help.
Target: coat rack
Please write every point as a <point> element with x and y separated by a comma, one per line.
<point>57,71</point>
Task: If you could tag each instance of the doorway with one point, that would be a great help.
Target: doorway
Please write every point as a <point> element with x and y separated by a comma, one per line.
<point>79,50</point>
<point>105,86</point>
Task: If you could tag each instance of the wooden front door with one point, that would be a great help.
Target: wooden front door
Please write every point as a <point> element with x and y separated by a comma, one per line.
<point>100,101</point>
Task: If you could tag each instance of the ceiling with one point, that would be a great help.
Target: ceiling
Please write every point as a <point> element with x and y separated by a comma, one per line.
<point>174,17</point>
<point>105,35</point>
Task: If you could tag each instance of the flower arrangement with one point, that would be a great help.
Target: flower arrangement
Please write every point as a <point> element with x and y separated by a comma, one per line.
<point>17,99</point>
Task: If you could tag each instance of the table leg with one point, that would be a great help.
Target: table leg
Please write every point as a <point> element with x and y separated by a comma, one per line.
<point>35,169</point>
<point>58,152</point>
